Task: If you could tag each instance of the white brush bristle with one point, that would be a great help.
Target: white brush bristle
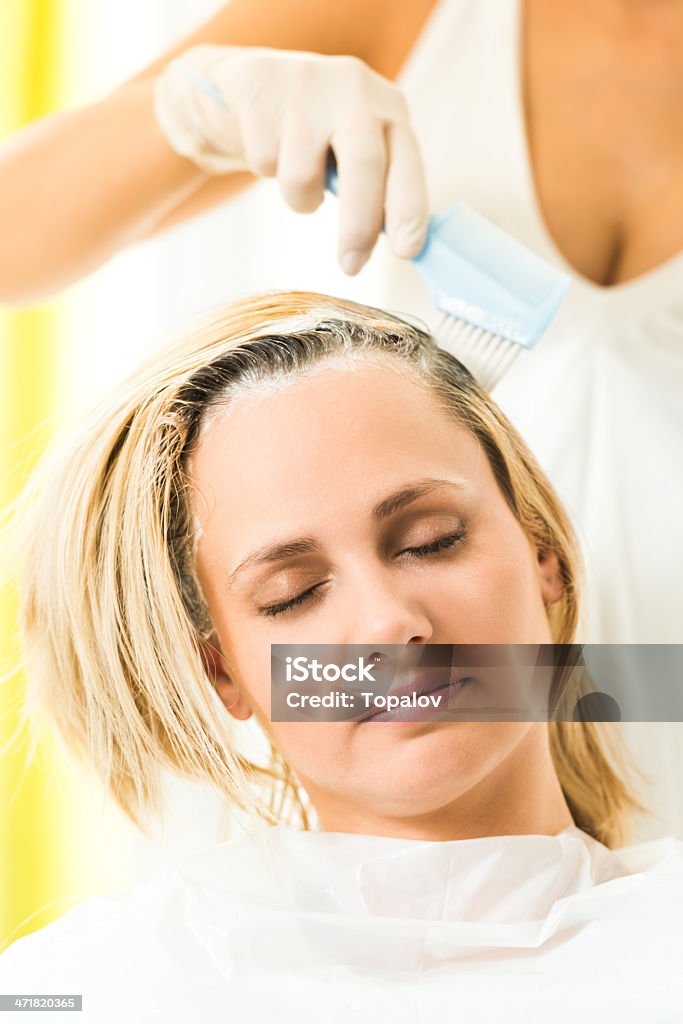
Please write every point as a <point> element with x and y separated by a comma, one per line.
<point>487,356</point>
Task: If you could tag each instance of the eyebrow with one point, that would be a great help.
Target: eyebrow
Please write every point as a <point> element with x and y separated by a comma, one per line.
<point>388,506</point>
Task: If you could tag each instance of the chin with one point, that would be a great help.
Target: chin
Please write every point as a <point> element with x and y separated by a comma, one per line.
<point>439,757</point>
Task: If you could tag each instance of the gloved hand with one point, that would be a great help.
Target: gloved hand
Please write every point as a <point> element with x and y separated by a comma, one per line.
<point>276,112</point>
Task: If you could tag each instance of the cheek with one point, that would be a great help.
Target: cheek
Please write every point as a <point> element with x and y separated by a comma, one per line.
<point>494,597</point>
<point>305,745</point>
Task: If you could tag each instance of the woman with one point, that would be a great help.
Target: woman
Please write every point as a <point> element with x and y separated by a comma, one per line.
<point>304,469</point>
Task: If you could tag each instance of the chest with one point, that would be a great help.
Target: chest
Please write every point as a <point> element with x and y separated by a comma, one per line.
<point>603,105</point>
<point>602,90</point>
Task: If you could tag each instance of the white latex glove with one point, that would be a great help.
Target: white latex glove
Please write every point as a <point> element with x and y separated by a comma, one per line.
<point>276,113</point>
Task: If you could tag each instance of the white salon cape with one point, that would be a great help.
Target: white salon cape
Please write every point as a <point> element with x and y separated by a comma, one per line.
<point>330,928</point>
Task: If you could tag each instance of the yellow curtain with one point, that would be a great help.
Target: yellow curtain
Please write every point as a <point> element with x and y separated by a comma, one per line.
<point>45,848</point>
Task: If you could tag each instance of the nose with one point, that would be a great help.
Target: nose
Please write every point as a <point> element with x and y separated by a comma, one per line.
<point>382,612</point>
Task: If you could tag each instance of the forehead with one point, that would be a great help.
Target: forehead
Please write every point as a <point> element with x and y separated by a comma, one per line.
<point>339,430</point>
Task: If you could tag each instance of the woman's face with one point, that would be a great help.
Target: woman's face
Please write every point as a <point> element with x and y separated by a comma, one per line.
<point>348,507</point>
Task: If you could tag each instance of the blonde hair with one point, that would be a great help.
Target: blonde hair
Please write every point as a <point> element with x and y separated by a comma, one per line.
<point>112,616</point>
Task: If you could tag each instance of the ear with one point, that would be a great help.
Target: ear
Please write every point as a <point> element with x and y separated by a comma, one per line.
<point>550,576</point>
<point>221,679</point>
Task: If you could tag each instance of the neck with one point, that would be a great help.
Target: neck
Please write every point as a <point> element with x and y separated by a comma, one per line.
<point>521,796</point>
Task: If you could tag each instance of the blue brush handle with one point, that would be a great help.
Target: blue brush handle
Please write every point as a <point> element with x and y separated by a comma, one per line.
<point>476,272</point>
<point>331,176</point>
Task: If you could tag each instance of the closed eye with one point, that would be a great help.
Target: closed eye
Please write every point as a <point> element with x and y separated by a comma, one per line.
<point>449,541</point>
<point>421,551</point>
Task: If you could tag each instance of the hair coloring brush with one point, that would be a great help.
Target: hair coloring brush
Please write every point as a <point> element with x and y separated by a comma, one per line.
<point>496,295</point>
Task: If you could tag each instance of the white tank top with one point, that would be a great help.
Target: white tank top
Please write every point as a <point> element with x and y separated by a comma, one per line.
<point>600,401</point>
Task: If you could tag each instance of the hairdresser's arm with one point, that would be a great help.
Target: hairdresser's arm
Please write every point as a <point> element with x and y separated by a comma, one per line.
<point>76,187</point>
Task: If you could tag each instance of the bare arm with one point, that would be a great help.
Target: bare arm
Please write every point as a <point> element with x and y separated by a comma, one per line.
<point>76,187</point>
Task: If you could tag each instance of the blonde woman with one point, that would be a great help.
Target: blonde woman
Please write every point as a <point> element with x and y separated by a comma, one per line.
<point>303,469</point>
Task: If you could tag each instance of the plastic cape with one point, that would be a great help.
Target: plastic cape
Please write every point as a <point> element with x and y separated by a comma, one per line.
<point>283,926</point>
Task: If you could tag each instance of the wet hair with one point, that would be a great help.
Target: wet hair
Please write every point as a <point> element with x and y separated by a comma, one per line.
<point>112,616</point>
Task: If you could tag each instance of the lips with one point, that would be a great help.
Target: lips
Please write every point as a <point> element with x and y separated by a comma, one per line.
<point>422,685</point>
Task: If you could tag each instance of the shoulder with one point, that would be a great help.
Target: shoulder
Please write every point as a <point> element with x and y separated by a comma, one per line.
<point>637,899</point>
<point>87,925</point>
<point>113,950</point>
<point>660,857</point>
<point>380,32</point>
